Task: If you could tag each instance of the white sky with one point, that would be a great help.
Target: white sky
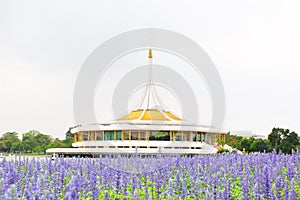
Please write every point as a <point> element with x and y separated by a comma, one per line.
<point>254,45</point>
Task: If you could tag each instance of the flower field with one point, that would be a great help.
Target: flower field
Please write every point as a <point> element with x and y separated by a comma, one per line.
<point>224,176</point>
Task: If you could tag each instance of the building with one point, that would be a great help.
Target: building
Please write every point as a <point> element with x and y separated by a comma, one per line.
<point>149,129</point>
<point>248,134</point>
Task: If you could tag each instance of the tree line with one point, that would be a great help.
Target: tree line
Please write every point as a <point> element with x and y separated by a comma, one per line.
<point>32,142</point>
<point>36,142</point>
<point>279,139</point>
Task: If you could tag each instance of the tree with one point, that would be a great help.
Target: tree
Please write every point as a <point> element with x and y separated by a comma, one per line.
<point>260,145</point>
<point>38,149</point>
<point>43,139</point>
<point>234,141</point>
<point>69,138</point>
<point>289,142</point>
<point>3,146</point>
<point>29,141</point>
<point>17,146</point>
<point>33,139</point>
<point>283,139</point>
<point>276,136</point>
<point>245,143</point>
<point>66,143</point>
<point>250,144</point>
<point>7,140</point>
<point>57,143</point>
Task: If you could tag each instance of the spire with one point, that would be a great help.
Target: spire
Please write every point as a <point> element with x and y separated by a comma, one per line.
<point>150,50</point>
<point>149,85</point>
<point>151,107</point>
<point>150,53</point>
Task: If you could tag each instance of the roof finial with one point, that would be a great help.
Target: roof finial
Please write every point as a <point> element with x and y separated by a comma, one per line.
<point>150,50</point>
<point>150,53</point>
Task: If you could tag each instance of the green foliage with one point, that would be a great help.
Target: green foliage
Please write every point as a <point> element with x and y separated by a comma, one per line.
<point>68,142</point>
<point>260,145</point>
<point>7,141</point>
<point>33,142</point>
<point>69,139</point>
<point>17,146</point>
<point>223,151</point>
<point>41,149</point>
<point>233,140</point>
<point>245,143</point>
<point>3,147</point>
<point>276,136</point>
<point>283,139</point>
<point>279,139</point>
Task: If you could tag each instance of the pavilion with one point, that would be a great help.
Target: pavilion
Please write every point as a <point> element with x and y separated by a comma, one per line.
<point>149,129</point>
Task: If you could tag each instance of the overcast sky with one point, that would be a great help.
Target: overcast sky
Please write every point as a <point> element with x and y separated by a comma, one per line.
<point>254,45</point>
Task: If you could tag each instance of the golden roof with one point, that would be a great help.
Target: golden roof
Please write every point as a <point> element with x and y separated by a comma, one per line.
<point>150,114</point>
<point>172,116</point>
